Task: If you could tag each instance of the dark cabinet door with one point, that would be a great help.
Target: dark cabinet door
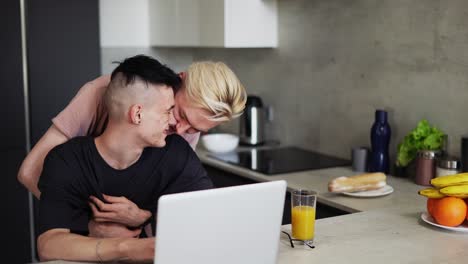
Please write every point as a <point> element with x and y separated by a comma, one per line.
<point>222,178</point>
<point>15,208</point>
<point>11,77</point>
<point>63,52</point>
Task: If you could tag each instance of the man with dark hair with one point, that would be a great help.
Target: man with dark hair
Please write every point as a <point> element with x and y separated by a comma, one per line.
<point>133,159</point>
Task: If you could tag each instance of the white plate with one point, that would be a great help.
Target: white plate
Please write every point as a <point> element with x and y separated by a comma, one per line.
<point>387,189</point>
<point>428,219</point>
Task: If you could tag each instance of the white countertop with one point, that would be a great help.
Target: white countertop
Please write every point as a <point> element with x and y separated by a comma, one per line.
<point>378,236</point>
<point>385,229</point>
<point>405,191</point>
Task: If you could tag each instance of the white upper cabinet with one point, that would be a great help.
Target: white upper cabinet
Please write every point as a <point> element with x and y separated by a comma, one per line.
<point>189,23</point>
<point>124,23</point>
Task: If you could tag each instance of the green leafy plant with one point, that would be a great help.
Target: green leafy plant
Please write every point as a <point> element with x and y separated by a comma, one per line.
<point>422,137</point>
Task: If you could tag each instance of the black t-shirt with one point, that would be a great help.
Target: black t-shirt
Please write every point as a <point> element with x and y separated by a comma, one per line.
<point>75,170</point>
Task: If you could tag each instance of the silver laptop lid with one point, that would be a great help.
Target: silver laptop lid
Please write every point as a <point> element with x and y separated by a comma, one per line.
<point>235,225</point>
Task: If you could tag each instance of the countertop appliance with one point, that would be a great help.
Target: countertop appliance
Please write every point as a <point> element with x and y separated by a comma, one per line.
<point>252,121</point>
<point>280,160</point>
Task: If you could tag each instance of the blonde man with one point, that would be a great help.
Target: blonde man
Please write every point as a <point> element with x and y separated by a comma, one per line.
<point>210,94</point>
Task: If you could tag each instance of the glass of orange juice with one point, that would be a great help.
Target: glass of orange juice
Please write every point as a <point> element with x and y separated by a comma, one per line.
<point>303,204</point>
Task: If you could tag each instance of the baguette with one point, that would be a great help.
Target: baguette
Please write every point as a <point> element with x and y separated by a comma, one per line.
<point>358,183</point>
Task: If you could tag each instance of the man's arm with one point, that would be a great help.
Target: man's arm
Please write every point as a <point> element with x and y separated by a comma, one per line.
<point>73,121</point>
<point>111,229</point>
<point>60,244</point>
<point>32,165</point>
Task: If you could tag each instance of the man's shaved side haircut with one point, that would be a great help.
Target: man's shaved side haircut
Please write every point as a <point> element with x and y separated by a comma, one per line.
<point>132,77</point>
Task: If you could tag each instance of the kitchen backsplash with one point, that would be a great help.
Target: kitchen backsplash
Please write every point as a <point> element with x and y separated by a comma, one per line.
<point>338,61</point>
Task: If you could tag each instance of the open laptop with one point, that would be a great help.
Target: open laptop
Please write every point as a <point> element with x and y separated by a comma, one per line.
<point>239,224</point>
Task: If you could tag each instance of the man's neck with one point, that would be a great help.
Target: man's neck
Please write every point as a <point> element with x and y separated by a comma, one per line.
<point>118,148</point>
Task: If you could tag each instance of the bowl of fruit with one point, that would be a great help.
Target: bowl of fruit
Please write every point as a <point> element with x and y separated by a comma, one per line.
<point>447,202</point>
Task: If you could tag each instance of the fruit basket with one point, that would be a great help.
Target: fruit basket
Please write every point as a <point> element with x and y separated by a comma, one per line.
<point>447,202</point>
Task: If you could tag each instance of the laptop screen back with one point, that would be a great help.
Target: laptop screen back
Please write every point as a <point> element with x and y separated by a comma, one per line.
<point>235,225</point>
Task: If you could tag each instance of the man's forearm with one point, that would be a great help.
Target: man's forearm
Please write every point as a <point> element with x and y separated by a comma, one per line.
<point>28,175</point>
<point>110,230</point>
<point>29,172</point>
<point>60,244</point>
<point>31,167</point>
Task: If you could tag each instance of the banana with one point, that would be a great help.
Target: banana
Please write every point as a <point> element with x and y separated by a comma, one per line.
<point>431,193</point>
<point>460,191</point>
<point>450,180</point>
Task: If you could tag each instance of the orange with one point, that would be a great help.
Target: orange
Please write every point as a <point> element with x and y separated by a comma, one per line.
<point>466,201</point>
<point>430,205</point>
<point>450,211</point>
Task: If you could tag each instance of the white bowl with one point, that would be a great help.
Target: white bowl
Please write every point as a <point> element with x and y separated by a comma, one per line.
<point>220,142</point>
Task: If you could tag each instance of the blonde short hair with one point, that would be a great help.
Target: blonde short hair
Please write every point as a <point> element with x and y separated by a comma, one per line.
<point>214,87</point>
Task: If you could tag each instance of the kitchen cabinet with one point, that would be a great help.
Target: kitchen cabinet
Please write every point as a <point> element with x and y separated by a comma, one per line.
<point>189,23</point>
<point>63,53</point>
<point>223,178</point>
<point>15,208</point>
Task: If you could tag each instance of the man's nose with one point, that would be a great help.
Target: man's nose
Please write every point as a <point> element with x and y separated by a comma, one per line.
<point>172,120</point>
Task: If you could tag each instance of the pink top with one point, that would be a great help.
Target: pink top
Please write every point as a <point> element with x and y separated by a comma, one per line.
<point>86,111</point>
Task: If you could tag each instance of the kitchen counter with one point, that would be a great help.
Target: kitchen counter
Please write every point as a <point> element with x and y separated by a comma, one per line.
<point>404,195</point>
<point>391,235</point>
<point>385,229</point>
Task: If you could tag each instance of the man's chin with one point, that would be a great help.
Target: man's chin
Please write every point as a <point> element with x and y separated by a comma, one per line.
<point>160,143</point>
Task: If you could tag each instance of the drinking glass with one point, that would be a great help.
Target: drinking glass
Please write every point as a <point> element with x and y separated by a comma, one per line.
<point>303,205</point>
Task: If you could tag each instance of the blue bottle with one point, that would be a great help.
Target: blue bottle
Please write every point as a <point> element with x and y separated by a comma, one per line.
<point>380,139</point>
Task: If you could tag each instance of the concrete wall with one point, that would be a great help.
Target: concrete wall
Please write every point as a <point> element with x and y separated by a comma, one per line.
<point>339,60</point>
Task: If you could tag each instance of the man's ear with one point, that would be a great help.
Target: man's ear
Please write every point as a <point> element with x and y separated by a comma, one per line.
<point>182,75</point>
<point>136,114</point>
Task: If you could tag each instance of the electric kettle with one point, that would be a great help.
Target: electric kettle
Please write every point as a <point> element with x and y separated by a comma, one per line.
<point>252,122</point>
